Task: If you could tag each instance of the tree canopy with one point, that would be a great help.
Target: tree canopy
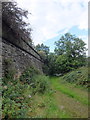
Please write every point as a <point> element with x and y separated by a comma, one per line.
<point>70,45</point>
<point>43,48</point>
<point>70,53</point>
<point>14,16</point>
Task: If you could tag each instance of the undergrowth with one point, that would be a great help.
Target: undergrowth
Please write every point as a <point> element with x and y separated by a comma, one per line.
<point>17,94</point>
<point>78,76</point>
<point>30,96</point>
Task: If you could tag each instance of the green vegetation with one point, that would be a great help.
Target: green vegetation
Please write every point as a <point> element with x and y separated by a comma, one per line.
<point>69,54</point>
<point>78,76</point>
<point>37,96</point>
<point>15,21</point>
<point>63,100</point>
<point>17,93</point>
<point>45,106</point>
<point>69,89</point>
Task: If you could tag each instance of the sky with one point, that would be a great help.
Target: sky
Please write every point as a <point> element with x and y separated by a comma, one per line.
<point>50,19</point>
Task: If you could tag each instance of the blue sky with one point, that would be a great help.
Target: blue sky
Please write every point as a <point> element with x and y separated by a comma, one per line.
<point>50,19</point>
<point>74,31</point>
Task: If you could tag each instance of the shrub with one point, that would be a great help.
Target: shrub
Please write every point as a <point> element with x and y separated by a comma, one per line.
<point>17,94</point>
<point>78,76</point>
<point>28,75</point>
<point>41,83</point>
<point>13,100</point>
<point>9,70</point>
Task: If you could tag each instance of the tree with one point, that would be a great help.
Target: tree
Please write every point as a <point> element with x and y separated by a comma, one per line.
<point>13,16</point>
<point>51,64</point>
<point>70,45</point>
<point>49,68</point>
<point>43,48</point>
<point>71,52</point>
<point>63,64</point>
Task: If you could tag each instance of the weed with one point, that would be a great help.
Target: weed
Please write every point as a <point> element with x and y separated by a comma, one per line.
<point>17,94</point>
<point>78,76</point>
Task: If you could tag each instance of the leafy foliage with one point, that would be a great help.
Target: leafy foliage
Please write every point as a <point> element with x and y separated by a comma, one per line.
<point>43,48</point>
<point>70,54</point>
<point>72,51</point>
<point>78,76</point>
<point>42,83</point>
<point>13,16</point>
<point>29,75</point>
<point>38,83</point>
<point>17,94</point>
<point>63,64</point>
<point>51,64</point>
<point>70,45</point>
<point>13,100</point>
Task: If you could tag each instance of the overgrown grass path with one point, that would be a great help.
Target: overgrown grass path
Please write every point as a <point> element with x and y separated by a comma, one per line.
<point>63,100</point>
<point>71,100</point>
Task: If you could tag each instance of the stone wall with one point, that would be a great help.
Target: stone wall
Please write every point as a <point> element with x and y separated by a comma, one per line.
<point>20,59</point>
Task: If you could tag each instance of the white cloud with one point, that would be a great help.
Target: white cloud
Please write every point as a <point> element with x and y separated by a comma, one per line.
<point>50,16</point>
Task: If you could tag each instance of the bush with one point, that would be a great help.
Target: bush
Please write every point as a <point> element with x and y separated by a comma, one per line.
<point>9,71</point>
<point>78,76</point>
<point>41,84</point>
<point>17,94</point>
<point>38,83</point>
<point>13,100</point>
<point>29,75</point>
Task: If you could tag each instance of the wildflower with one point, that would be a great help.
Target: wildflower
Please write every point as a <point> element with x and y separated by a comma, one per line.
<point>5,87</point>
<point>29,96</point>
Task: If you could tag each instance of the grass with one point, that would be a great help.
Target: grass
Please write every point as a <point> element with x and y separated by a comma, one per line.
<point>45,106</point>
<point>61,101</point>
<point>38,96</point>
<point>68,89</point>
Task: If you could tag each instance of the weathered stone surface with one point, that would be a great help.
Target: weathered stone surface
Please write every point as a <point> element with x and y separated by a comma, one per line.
<point>20,59</point>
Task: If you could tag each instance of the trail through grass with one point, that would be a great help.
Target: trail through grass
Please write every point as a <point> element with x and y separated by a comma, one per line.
<point>38,96</point>
<point>73,100</point>
<point>62,101</point>
<point>68,89</point>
